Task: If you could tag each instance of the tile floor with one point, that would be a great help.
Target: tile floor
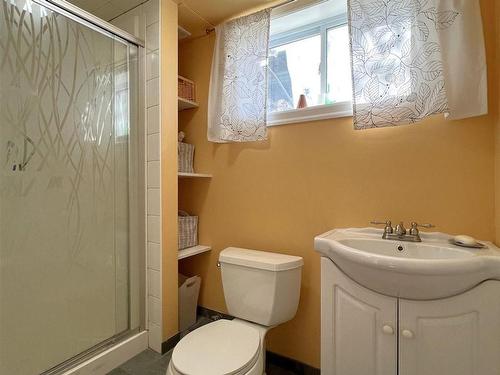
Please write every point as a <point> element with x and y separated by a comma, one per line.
<point>146,363</point>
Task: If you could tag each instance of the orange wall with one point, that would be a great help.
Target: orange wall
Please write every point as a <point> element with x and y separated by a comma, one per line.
<point>169,119</point>
<point>497,136</point>
<point>309,178</point>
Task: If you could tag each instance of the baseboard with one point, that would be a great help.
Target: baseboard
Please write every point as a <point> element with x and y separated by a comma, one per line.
<point>170,343</point>
<point>289,364</point>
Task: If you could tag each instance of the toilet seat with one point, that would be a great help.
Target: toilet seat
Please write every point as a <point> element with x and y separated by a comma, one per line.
<point>224,347</point>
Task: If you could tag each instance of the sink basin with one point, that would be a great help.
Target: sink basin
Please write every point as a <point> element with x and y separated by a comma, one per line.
<point>430,269</point>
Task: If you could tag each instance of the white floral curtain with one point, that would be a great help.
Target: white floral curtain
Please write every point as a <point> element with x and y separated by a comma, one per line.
<point>238,85</point>
<point>415,58</point>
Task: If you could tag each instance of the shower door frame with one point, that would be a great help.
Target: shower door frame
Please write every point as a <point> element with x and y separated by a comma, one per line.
<point>88,19</point>
<point>109,354</point>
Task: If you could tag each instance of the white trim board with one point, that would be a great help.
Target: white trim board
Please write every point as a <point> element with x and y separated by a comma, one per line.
<point>320,112</point>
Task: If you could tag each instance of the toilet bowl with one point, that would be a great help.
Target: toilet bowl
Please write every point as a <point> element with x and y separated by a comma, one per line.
<point>261,290</point>
<point>222,347</point>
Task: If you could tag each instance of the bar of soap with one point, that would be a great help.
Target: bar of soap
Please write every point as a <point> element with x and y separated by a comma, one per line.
<point>466,240</point>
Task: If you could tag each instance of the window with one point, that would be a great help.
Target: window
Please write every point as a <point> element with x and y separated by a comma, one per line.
<point>309,57</point>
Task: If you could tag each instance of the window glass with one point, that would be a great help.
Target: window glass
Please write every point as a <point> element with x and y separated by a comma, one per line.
<point>294,69</point>
<point>309,57</point>
<point>339,82</point>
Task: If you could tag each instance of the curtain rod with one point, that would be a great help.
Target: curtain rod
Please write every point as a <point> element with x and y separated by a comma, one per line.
<point>212,29</point>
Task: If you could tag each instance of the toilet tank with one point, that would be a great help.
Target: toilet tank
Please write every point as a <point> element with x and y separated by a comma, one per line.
<point>259,286</point>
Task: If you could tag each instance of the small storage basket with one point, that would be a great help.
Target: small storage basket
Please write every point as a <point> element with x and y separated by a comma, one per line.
<point>188,230</point>
<point>186,157</point>
<point>186,89</point>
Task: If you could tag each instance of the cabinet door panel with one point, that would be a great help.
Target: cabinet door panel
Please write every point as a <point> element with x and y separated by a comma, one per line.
<point>458,335</point>
<point>356,327</point>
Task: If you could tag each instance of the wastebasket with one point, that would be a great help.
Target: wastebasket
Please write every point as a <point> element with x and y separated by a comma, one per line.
<point>189,290</point>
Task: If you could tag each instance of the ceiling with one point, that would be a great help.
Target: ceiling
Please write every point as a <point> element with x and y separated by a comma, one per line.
<point>196,16</point>
<point>215,11</point>
<point>106,9</point>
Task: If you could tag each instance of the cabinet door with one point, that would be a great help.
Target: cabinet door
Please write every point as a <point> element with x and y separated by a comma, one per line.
<point>455,336</point>
<point>358,327</point>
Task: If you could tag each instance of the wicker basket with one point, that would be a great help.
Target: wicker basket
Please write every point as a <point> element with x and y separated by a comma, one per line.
<point>188,230</point>
<point>186,157</point>
<point>187,89</point>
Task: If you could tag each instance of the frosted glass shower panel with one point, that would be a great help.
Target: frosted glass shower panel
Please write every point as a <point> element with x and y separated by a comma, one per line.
<point>64,188</point>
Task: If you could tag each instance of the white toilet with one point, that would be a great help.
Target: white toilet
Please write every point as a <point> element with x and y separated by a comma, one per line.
<point>262,290</point>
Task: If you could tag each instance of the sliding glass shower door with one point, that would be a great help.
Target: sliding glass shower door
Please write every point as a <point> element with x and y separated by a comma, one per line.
<point>69,188</point>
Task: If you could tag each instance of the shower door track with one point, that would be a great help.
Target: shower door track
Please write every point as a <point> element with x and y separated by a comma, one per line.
<point>90,353</point>
<point>88,19</point>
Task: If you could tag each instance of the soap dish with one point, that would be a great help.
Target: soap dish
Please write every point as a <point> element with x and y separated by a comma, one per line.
<point>477,245</point>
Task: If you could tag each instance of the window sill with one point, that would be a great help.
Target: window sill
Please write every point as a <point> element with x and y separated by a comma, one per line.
<point>320,112</point>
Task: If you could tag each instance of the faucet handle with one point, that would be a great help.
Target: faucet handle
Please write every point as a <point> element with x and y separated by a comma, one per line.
<point>388,225</point>
<point>415,226</point>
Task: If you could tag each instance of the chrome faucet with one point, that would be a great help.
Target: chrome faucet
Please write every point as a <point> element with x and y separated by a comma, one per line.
<point>399,233</point>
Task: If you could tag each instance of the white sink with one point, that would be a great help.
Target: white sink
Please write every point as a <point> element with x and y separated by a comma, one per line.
<point>431,269</point>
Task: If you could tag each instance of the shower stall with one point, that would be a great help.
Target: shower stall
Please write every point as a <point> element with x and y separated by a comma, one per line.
<point>71,188</point>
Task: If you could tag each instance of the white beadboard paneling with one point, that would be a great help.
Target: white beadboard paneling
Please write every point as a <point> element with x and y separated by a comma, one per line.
<point>154,229</point>
<point>153,92</point>
<point>154,147</point>
<point>155,337</point>
<point>152,65</point>
<point>154,202</point>
<point>154,174</point>
<point>154,256</point>
<point>154,283</point>
<point>152,12</point>
<point>154,310</point>
<point>153,119</point>
<point>153,36</point>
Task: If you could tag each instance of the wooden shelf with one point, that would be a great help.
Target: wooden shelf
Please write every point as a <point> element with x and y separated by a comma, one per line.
<point>194,175</point>
<point>195,250</point>
<point>182,33</point>
<point>184,104</point>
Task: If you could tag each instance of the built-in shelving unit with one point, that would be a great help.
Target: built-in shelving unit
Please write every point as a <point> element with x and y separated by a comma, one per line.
<point>195,250</point>
<point>184,104</point>
<point>191,183</point>
<point>194,175</point>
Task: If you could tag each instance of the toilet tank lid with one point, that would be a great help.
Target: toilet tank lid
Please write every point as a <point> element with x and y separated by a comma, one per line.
<point>260,259</point>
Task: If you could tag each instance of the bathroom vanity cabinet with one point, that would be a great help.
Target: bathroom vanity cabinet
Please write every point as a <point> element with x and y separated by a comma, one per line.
<point>367,333</point>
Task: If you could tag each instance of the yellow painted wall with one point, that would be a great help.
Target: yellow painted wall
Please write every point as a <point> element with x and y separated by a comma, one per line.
<point>309,178</point>
<point>497,136</point>
<point>169,119</point>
